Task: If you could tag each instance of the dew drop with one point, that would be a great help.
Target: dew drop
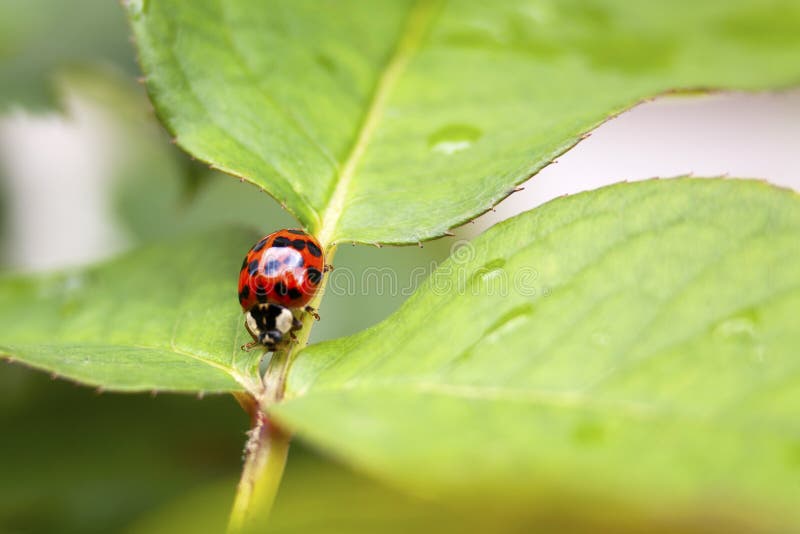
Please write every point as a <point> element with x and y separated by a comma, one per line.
<point>742,331</point>
<point>741,328</point>
<point>511,320</point>
<point>453,138</point>
<point>488,271</point>
<point>491,275</point>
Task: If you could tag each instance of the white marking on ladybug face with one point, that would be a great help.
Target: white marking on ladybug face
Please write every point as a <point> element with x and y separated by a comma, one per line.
<point>284,321</point>
<point>251,324</point>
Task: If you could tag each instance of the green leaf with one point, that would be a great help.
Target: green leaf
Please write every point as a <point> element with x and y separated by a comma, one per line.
<point>394,121</point>
<point>636,344</point>
<point>163,317</point>
<point>38,37</point>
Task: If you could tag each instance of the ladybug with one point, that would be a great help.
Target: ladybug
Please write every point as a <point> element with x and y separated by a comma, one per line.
<point>279,275</point>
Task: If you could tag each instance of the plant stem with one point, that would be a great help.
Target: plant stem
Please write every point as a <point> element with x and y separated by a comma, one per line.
<point>267,445</point>
<point>266,452</point>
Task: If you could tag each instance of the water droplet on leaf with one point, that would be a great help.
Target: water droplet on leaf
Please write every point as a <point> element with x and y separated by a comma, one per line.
<point>742,331</point>
<point>453,138</point>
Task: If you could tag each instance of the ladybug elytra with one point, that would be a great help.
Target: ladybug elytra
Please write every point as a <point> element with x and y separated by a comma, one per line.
<point>281,273</point>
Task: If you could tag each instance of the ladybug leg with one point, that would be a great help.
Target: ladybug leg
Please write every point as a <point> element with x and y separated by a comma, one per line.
<point>313,312</point>
<point>247,347</point>
<point>327,268</point>
<point>297,324</point>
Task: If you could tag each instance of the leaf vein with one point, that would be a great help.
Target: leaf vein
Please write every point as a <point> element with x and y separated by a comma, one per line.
<point>416,26</point>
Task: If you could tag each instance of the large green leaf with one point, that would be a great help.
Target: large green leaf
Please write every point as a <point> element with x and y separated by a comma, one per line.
<point>394,121</point>
<point>637,342</point>
<point>163,317</point>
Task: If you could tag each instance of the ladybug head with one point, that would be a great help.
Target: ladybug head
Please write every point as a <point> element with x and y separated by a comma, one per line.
<point>269,324</point>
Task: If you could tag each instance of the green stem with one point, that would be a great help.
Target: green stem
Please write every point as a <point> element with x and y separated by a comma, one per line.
<point>266,452</point>
<point>268,445</point>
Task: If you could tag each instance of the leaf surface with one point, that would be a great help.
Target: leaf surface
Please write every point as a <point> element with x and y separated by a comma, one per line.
<point>637,343</point>
<point>162,317</point>
<point>394,121</point>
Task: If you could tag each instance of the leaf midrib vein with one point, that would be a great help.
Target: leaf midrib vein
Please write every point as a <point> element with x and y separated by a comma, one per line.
<point>409,41</point>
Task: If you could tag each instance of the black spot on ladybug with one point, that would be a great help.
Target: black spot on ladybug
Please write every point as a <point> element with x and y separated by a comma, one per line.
<point>314,249</point>
<point>271,267</point>
<point>314,275</point>
<point>296,232</point>
<point>281,289</point>
<point>261,290</point>
<point>295,293</point>
<point>261,294</point>
<point>281,241</point>
<point>299,244</point>
<point>244,293</point>
<point>260,245</point>
<point>253,267</point>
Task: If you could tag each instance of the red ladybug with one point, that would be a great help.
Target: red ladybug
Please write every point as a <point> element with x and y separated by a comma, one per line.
<point>281,273</point>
